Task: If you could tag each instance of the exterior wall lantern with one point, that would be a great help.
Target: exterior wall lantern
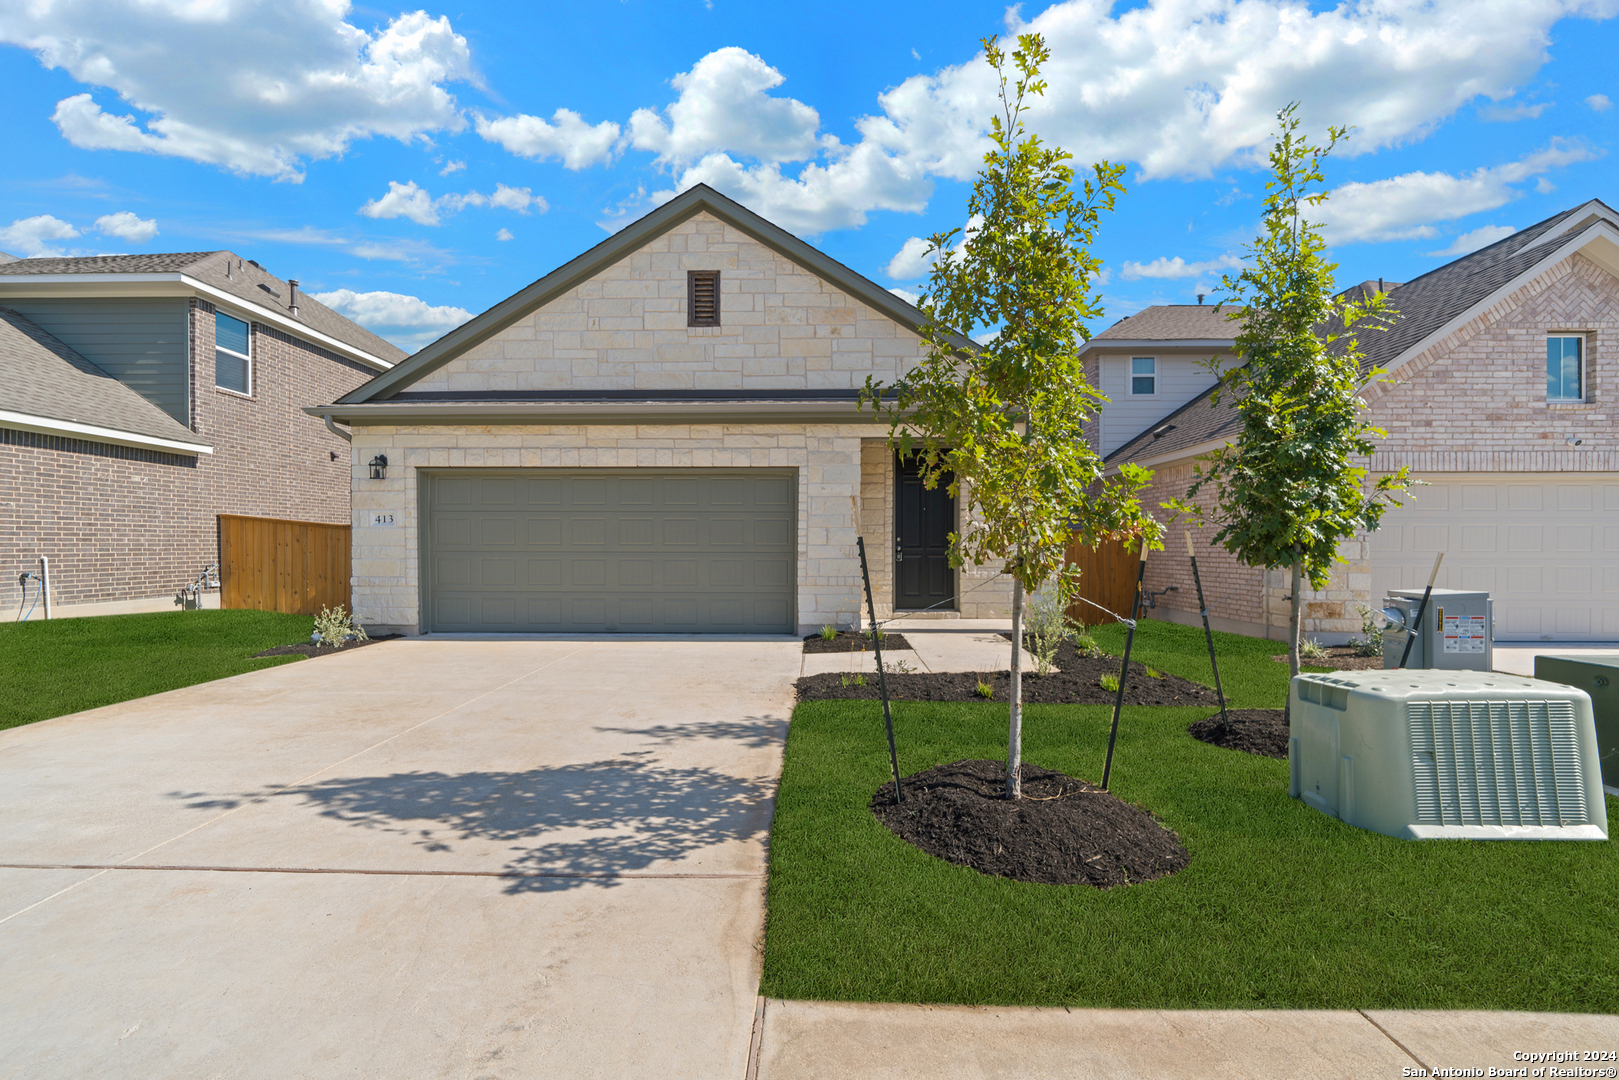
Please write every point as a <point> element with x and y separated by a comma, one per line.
<point>379,467</point>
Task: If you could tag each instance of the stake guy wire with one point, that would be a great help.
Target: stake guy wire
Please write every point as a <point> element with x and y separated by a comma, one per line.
<point>882,681</point>
<point>1124,668</point>
<point>1208,634</point>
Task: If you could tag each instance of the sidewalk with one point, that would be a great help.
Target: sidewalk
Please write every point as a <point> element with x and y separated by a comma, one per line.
<point>800,1040</point>
<point>1518,658</point>
<point>936,645</point>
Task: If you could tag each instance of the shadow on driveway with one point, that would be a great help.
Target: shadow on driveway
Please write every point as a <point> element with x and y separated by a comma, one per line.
<point>631,811</point>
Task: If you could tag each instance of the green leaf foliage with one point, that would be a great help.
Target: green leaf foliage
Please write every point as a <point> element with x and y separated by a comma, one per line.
<point>1004,421</point>
<point>1293,484</point>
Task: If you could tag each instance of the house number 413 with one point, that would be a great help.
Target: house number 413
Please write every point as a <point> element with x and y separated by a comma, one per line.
<point>381,519</point>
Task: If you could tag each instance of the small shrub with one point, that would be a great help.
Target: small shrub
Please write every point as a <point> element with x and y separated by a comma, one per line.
<point>334,626</point>
<point>1085,643</point>
<point>1109,682</point>
<point>1046,626</point>
<point>1312,650</point>
<point>1370,643</point>
<point>856,679</point>
<point>984,690</point>
<point>829,632</point>
<point>901,667</point>
<point>1152,674</point>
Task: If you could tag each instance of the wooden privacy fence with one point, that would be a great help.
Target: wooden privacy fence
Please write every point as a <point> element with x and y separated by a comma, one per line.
<point>268,564</point>
<point>1107,576</point>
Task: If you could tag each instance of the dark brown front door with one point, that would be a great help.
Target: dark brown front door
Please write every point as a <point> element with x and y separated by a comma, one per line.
<point>922,574</point>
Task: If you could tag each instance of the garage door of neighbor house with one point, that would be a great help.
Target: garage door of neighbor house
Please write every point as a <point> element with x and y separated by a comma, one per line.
<point>1546,546</point>
<point>594,551</point>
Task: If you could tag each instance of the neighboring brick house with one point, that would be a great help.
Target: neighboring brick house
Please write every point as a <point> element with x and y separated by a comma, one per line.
<point>141,396</point>
<point>661,435</point>
<point>1502,374</point>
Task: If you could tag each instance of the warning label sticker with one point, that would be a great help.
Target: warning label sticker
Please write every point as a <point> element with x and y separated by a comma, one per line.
<point>1464,633</point>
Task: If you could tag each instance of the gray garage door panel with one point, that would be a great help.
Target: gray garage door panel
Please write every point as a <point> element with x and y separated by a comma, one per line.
<point>591,551</point>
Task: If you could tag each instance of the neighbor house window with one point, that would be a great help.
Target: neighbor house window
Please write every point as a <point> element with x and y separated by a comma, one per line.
<point>1143,375</point>
<point>702,298</point>
<point>232,358</point>
<point>1565,368</point>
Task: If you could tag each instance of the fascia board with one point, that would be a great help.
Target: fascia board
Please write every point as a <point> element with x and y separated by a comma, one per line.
<point>176,284</point>
<point>361,414</point>
<point>1185,453</point>
<point>629,239</point>
<point>46,425</point>
<point>1600,231</point>
<point>1580,213</point>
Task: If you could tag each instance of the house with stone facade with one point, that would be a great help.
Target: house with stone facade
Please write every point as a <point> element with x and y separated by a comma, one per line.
<point>662,435</point>
<point>141,396</point>
<point>1502,377</point>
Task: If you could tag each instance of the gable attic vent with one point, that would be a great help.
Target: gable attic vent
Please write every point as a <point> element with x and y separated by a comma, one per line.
<point>702,298</point>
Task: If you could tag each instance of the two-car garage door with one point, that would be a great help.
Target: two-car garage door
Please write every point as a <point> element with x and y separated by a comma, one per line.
<point>593,551</point>
<point>1546,546</point>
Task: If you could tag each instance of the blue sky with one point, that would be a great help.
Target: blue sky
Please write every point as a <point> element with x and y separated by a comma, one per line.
<point>412,167</point>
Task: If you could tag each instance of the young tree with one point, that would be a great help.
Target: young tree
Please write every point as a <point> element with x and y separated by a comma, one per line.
<point>1293,484</point>
<point>1004,421</point>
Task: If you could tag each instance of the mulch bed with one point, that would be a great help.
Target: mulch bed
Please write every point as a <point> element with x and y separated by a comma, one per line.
<point>1339,658</point>
<point>1076,682</point>
<point>852,641</point>
<point>1062,832</point>
<point>309,648</point>
<point>1253,731</point>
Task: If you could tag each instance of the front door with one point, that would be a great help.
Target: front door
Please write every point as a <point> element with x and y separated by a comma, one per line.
<point>922,574</point>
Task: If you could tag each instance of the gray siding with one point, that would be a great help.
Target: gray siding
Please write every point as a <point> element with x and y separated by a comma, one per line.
<point>141,342</point>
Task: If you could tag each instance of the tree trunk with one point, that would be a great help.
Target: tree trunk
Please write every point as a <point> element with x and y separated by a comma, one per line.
<point>1295,618</point>
<point>1014,739</point>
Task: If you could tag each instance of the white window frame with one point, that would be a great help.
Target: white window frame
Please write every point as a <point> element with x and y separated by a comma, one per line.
<point>1585,344</point>
<point>1130,376</point>
<point>247,357</point>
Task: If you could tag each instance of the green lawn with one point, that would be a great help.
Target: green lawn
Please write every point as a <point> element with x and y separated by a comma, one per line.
<point>68,665</point>
<point>1281,907</point>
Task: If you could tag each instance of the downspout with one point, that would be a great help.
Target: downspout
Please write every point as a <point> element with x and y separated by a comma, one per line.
<point>339,432</point>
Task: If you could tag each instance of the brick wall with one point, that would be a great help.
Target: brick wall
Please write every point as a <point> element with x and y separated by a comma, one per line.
<point>1475,401</point>
<point>120,523</point>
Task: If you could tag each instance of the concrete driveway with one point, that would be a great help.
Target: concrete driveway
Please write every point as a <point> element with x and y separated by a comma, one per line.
<point>426,858</point>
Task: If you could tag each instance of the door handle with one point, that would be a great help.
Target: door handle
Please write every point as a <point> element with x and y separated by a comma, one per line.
<point>899,552</point>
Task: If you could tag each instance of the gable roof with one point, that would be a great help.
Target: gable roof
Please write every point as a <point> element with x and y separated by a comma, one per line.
<point>682,207</point>
<point>51,388</point>
<point>221,275</point>
<point>1429,307</point>
<point>1171,324</point>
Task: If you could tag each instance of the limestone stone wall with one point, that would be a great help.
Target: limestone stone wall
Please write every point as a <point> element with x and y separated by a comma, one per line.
<point>781,328</point>
<point>830,486</point>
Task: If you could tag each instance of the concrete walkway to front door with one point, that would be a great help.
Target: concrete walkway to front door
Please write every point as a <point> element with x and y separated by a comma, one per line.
<point>425,858</point>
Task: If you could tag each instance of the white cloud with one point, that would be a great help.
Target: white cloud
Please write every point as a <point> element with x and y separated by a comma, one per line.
<point>1506,114</point>
<point>255,88</point>
<point>407,321</point>
<point>127,226</point>
<point>1405,207</point>
<point>1178,267</point>
<point>30,237</point>
<point>914,260</point>
<point>404,200</point>
<point>723,106</point>
<point>907,295</point>
<point>454,166</point>
<point>1469,242</point>
<point>567,137</point>
<point>1598,103</point>
<point>408,200</point>
<point>504,234</point>
<point>403,250</point>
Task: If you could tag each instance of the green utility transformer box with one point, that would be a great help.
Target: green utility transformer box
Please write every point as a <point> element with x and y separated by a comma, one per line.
<point>1599,677</point>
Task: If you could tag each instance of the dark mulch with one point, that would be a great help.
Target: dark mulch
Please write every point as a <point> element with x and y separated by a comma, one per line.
<point>1062,832</point>
<point>1339,658</point>
<point>1253,731</point>
<point>1076,682</point>
<point>852,641</point>
<point>309,648</point>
